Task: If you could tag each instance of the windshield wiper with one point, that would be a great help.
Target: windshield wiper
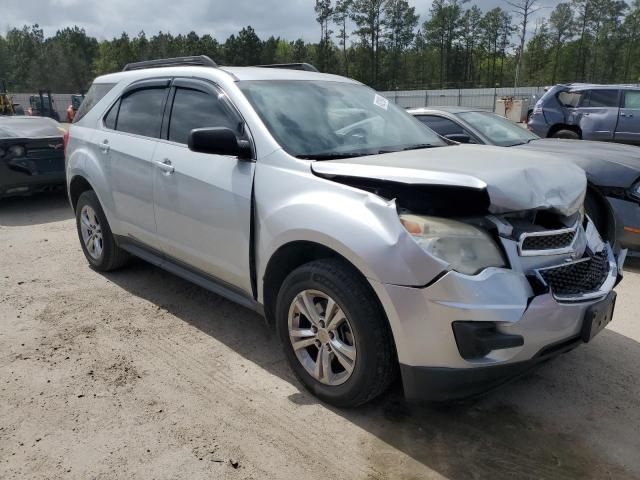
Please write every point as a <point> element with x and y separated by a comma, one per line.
<point>417,146</point>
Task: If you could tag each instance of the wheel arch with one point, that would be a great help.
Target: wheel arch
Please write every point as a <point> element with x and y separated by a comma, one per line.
<point>563,126</point>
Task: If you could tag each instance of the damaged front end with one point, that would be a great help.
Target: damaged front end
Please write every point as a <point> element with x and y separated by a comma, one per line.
<point>526,275</point>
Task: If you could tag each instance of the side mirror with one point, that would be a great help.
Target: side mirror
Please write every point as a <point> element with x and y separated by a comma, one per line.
<point>460,138</point>
<point>219,141</point>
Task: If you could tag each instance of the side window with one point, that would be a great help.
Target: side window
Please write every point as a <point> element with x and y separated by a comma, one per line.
<point>197,109</point>
<point>571,99</point>
<point>141,112</point>
<point>632,99</point>
<point>603,98</point>
<point>112,116</point>
<point>442,126</point>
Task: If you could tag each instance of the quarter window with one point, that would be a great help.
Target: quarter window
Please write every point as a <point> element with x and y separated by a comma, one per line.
<point>94,95</point>
<point>141,112</point>
<point>197,109</point>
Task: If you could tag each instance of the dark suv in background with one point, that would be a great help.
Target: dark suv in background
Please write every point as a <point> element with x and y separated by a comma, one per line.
<point>608,113</point>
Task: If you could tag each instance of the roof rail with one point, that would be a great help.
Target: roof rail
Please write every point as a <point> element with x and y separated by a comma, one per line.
<point>198,60</point>
<point>292,66</point>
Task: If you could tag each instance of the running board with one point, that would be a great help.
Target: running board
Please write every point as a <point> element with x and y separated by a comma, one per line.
<point>201,279</point>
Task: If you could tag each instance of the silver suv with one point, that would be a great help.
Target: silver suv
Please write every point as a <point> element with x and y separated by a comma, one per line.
<point>372,245</point>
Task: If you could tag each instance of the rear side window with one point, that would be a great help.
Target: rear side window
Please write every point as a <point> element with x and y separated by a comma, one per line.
<point>93,96</point>
<point>570,99</point>
<point>197,109</point>
<point>632,99</point>
<point>111,117</point>
<point>603,98</point>
<point>141,112</point>
<point>442,126</point>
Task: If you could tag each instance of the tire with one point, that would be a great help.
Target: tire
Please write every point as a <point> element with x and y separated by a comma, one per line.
<point>598,215</point>
<point>102,254</point>
<point>568,134</point>
<point>363,331</point>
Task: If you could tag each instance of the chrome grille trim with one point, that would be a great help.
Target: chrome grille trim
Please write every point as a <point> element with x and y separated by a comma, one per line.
<point>574,231</point>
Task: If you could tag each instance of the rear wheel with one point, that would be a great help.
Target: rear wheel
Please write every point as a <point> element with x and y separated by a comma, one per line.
<point>95,235</point>
<point>567,134</point>
<point>334,333</point>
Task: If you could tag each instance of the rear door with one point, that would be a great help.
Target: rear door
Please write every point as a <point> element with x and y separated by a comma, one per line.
<point>628,130</point>
<point>597,114</point>
<point>203,201</point>
<point>127,143</point>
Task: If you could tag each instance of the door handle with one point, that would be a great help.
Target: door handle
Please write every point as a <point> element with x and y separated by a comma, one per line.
<point>627,115</point>
<point>166,166</point>
<point>105,147</point>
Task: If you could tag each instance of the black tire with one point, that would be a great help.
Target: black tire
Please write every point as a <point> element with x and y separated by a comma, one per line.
<point>597,212</point>
<point>376,362</point>
<point>567,134</point>
<point>112,256</point>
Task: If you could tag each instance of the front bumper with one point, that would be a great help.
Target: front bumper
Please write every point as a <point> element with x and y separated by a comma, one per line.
<point>422,319</point>
<point>628,214</point>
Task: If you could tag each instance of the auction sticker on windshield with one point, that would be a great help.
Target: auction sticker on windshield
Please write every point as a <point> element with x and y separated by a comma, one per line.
<point>381,102</point>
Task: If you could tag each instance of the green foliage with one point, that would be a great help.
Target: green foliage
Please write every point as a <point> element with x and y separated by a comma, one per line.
<point>380,42</point>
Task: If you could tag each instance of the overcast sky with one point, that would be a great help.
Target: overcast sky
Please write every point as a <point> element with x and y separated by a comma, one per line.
<point>289,19</point>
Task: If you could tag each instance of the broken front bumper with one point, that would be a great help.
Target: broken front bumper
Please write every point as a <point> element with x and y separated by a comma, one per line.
<point>523,327</point>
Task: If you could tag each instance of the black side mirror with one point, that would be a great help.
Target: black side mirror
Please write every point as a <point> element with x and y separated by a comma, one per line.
<point>219,141</point>
<point>460,138</point>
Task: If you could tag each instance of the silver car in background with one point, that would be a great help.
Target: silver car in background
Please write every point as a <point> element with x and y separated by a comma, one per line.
<point>372,246</point>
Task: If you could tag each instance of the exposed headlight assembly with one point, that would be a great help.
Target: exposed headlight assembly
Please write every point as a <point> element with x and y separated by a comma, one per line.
<point>16,151</point>
<point>466,248</point>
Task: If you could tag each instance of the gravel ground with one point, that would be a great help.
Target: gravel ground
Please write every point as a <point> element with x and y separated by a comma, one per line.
<point>139,374</point>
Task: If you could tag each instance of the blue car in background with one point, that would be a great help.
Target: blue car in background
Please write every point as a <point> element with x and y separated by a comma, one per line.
<point>578,111</point>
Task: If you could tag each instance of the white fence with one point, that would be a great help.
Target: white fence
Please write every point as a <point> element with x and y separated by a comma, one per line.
<point>481,98</point>
<point>61,102</point>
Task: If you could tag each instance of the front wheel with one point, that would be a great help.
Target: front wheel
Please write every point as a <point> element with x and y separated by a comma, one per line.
<point>335,334</point>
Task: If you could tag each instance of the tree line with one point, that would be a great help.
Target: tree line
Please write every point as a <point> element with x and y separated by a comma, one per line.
<point>383,43</point>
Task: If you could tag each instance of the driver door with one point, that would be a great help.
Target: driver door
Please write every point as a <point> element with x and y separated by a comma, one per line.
<point>203,201</point>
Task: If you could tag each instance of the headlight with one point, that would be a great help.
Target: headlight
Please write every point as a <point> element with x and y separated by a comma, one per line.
<point>466,248</point>
<point>16,151</point>
<point>635,190</point>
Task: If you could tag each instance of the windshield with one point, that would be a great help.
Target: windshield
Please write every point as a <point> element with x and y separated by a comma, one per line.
<point>324,120</point>
<point>497,129</point>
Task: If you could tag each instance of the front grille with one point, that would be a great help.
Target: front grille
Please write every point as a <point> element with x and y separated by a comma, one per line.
<point>551,241</point>
<point>583,276</point>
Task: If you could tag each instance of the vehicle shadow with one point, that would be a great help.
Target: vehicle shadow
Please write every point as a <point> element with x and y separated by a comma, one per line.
<point>632,264</point>
<point>533,428</point>
<point>34,210</point>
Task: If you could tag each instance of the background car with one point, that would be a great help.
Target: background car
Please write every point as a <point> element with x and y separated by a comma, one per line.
<point>31,155</point>
<point>589,112</point>
<point>613,170</point>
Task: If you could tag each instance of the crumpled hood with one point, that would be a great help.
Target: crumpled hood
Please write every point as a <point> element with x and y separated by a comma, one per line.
<point>29,127</point>
<point>515,180</point>
<point>607,164</point>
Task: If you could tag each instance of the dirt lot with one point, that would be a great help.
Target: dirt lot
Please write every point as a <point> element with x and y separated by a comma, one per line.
<point>141,374</point>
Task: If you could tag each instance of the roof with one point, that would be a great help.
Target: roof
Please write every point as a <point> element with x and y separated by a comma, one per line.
<point>598,86</point>
<point>237,73</point>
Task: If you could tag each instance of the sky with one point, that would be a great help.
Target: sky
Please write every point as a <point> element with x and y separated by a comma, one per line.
<point>289,19</point>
